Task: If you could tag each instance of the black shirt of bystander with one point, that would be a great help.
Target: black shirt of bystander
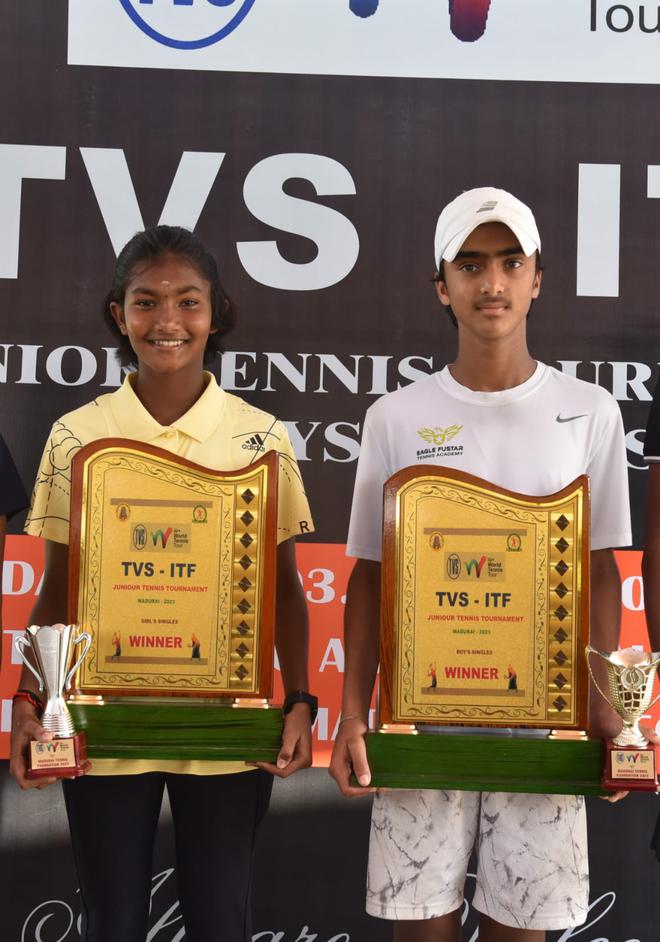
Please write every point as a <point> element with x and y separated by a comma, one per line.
<point>13,498</point>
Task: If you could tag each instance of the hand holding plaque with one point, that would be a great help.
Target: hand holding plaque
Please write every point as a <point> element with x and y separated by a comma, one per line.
<point>52,646</point>
<point>172,571</point>
<point>484,617</point>
<point>630,757</point>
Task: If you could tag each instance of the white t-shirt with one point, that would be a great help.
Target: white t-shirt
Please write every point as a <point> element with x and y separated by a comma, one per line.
<point>535,439</point>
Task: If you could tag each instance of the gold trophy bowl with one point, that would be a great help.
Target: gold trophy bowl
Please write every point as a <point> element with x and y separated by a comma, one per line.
<point>630,756</point>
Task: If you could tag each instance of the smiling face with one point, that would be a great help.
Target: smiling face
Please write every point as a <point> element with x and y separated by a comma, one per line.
<point>491,284</point>
<point>166,315</point>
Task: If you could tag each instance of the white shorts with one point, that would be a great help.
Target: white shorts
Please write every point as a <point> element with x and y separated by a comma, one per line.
<point>532,873</point>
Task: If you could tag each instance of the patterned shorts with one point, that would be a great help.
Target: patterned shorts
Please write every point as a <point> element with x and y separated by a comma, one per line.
<point>532,869</point>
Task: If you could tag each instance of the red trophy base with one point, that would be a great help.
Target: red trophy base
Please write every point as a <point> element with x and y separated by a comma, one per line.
<point>630,768</point>
<point>59,758</point>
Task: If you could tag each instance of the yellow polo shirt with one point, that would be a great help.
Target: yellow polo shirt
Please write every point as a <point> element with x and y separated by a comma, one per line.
<point>220,431</point>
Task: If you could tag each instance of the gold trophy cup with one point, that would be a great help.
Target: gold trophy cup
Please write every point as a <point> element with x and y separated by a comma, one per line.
<point>630,757</point>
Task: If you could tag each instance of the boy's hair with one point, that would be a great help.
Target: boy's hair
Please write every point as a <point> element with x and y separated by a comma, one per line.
<point>440,276</point>
<point>150,246</point>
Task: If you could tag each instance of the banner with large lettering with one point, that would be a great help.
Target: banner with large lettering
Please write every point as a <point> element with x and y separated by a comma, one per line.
<point>543,41</point>
<point>312,147</point>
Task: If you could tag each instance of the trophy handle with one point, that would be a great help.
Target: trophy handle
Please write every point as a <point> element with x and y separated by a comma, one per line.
<point>84,636</point>
<point>19,644</point>
<point>589,650</point>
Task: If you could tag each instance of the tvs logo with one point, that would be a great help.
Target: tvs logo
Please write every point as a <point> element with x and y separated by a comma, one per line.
<point>467,567</point>
<point>139,536</point>
<point>194,24</point>
<point>170,23</point>
<point>453,566</point>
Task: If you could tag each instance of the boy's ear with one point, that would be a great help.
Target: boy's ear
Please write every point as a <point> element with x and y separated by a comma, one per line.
<point>441,291</point>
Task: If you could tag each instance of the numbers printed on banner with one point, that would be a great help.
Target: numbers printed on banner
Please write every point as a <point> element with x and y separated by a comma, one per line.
<point>320,586</point>
<point>322,590</point>
<point>632,594</point>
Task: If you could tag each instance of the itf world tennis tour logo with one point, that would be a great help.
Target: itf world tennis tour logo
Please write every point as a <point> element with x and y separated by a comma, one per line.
<point>194,24</point>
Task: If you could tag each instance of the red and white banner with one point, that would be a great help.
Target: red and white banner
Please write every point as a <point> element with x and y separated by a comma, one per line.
<point>324,570</point>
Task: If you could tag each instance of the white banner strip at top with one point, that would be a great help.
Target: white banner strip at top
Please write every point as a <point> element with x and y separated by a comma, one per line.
<point>519,40</point>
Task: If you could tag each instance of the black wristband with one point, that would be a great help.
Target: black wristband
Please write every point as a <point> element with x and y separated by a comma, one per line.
<point>301,696</point>
<point>31,698</point>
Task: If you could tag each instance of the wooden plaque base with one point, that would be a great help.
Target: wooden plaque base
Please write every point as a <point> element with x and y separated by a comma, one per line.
<point>179,730</point>
<point>486,763</point>
<point>59,758</point>
<point>629,768</point>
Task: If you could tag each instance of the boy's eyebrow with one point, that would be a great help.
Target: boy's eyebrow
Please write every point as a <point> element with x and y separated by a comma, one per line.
<point>512,250</point>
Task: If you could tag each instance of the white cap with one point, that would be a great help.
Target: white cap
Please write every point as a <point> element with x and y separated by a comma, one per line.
<point>473,208</point>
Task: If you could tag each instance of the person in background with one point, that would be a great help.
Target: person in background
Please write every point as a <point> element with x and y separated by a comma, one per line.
<point>651,554</point>
<point>13,499</point>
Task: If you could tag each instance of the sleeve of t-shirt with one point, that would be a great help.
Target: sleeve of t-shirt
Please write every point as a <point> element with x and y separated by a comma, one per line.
<point>652,437</point>
<point>49,512</point>
<point>293,514</point>
<point>366,525</point>
<point>12,493</point>
<point>608,474</point>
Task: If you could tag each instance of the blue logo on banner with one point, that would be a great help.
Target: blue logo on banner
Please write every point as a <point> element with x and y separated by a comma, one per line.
<point>467,19</point>
<point>363,7</point>
<point>131,7</point>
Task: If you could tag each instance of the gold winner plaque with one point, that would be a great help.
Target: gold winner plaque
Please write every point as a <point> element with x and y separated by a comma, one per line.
<point>172,572</point>
<point>485,603</point>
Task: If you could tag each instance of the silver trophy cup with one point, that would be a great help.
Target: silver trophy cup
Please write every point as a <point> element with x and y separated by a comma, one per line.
<point>51,647</point>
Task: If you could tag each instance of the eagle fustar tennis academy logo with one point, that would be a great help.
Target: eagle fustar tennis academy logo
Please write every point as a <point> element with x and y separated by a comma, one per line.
<point>194,24</point>
<point>439,442</point>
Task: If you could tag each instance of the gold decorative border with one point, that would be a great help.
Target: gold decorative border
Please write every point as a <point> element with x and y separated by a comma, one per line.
<point>558,526</point>
<point>244,500</point>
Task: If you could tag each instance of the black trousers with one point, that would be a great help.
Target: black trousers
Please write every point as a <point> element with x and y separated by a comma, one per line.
<point>113,822</point>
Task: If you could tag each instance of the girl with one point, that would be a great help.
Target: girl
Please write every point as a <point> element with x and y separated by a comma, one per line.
<point>168,311</point>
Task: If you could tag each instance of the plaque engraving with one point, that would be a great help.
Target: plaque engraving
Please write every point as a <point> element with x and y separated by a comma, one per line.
<point>485,603</point>
<point>172,573</point>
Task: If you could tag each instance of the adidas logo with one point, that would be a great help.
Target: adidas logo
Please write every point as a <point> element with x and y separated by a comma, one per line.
<point>254,443</point>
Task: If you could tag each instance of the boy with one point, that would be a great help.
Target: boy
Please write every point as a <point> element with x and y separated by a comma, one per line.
<point>524,426</point>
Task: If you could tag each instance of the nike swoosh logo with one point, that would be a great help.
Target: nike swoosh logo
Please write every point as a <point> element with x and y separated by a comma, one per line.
<point>572,418</point>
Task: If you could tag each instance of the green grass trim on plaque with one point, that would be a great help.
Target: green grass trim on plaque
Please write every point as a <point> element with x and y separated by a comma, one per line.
<point>486,763</point>
<point>171,730</point>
